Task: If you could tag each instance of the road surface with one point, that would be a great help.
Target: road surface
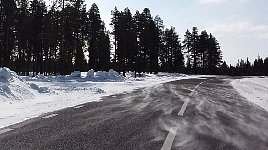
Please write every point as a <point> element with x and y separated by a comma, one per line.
<point>192,114</point>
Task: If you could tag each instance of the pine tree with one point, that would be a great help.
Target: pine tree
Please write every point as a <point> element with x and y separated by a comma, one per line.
<point>214,57</point>
<point>160,41</point>
<point>115,23</point>
<point>62,52</point>
<point>190,44</point>
<point>52,34</point>
<point>105,47</point>
<point>125,35</point>
<point>154,47</point>
<point>173,60</point>
<point>8,8</point>
<point>79,18</point>
<point>96,37</point>
<point>23,31</point>
<point>126,39</point>
<point>129,40</point>
<point>195,50</point>
<point>37,12</point>
<point>138,29</point>
<point>147,34</point>
<point>203,50</point>
<point>187,46</point>
<point>94,26</point>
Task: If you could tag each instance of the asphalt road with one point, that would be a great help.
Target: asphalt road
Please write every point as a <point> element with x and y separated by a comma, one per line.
<point>216,118</point>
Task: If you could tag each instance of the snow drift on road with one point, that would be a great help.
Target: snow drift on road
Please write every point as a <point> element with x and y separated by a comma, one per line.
<point>255,89</point>
<point>22,98</point>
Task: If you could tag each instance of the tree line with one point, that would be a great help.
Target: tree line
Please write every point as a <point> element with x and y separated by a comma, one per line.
<point>245,68</point>
<point>54,40</point>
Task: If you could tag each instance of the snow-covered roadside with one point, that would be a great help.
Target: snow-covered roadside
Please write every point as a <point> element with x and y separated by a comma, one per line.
<point>32,97</point>
<point>255,89</point>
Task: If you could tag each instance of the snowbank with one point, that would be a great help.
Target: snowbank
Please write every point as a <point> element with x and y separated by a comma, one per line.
<point>254,89</point>
<point>111,76</point>
<point>12,87</point>
<point>100,76</point>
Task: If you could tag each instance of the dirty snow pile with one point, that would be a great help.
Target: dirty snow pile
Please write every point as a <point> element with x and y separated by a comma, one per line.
<point>23,97</point>
<point>255,89</point>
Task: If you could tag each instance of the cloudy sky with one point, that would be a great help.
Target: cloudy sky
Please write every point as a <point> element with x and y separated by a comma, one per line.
<point>241,26</point>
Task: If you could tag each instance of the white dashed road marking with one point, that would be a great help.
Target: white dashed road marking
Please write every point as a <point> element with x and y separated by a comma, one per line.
<point>80,106</point>
<point>49,116</point>
<point>170,138</point>
<point>173,131</point>
<point>183,108</point>
<point>5,130</point>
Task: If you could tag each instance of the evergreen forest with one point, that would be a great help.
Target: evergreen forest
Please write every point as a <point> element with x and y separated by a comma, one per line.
<point>66,36</point>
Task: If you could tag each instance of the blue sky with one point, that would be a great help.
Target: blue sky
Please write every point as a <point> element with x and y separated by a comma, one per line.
<point>241,26</point>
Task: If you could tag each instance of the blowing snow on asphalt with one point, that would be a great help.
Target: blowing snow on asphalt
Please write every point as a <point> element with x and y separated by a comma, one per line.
<point>216,117</point>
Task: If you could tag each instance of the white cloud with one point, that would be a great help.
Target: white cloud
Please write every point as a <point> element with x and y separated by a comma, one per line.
<point>240,37</point>
<point>238,28</point>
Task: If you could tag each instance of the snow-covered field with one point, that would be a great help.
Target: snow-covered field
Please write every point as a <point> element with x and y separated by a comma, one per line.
<point>255,89</point>
<point>24,97</point>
